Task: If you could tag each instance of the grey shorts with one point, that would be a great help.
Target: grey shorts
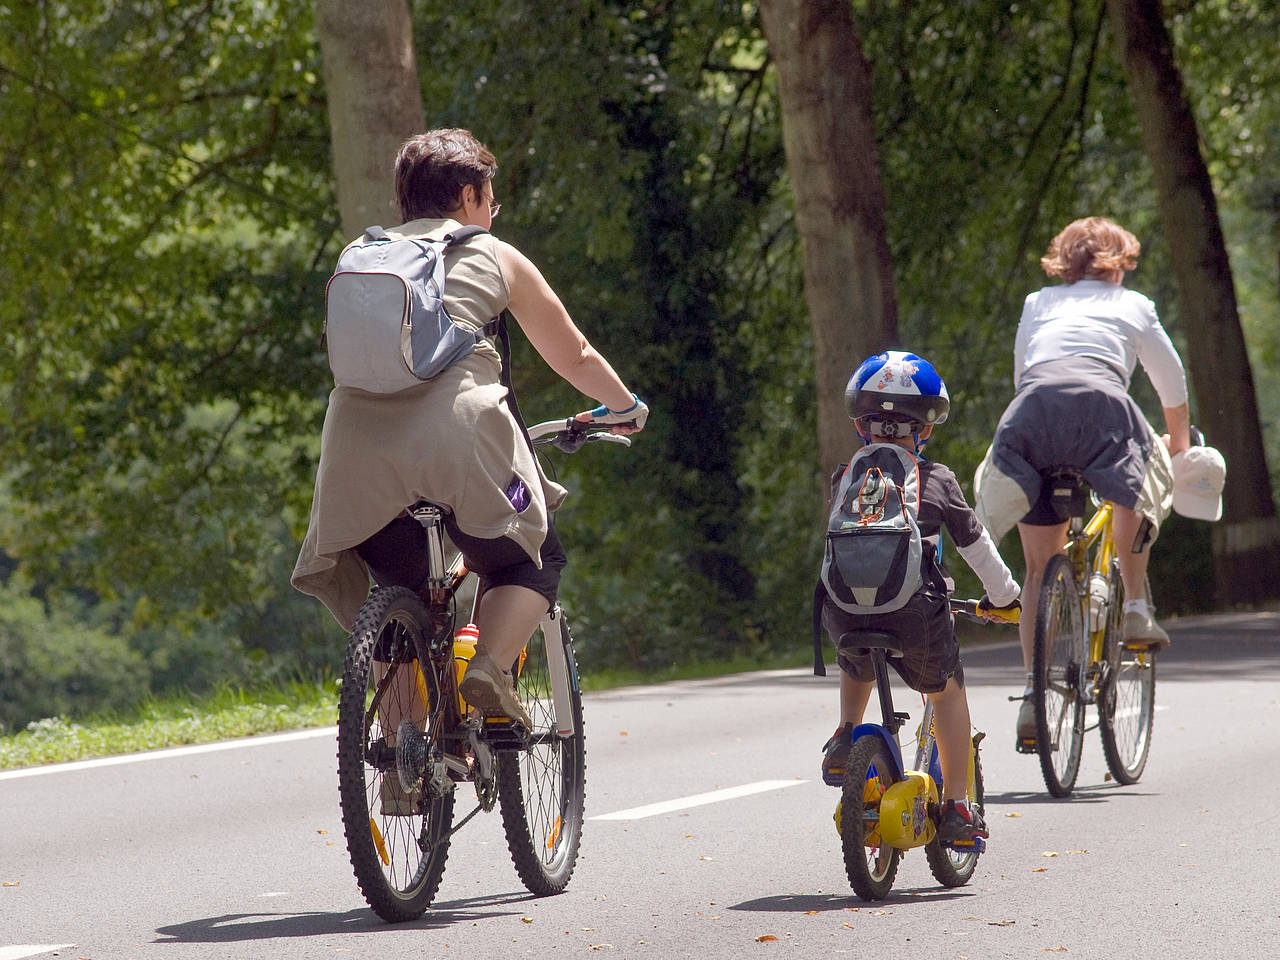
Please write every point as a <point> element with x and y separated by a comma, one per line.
<point>926,631</point>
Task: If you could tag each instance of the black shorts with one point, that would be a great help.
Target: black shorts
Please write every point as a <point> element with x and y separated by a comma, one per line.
<point>926,631</point>
<point>397,556</point>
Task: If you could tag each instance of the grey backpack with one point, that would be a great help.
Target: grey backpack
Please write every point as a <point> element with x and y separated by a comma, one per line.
<point>385,323</point>
<point>872,560</point>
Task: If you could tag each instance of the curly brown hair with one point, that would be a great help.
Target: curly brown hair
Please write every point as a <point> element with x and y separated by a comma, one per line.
<point>1092,247</point>
<point>433,167</point>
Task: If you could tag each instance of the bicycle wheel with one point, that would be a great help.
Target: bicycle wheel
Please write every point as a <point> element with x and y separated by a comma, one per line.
<point>1127,707</point>
<point>950,867</point>
<point>542,789</point>
<point>870,864</point>
<point>398,840</point>
<point>1059,660</point>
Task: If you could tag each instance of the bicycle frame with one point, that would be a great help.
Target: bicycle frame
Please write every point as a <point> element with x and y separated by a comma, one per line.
<point>1091,549</point>
<point>923,780</point>
<point>443,583</point>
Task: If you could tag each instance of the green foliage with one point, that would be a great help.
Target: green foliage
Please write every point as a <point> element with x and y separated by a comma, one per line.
<point>171,226</point>
<point>52,665</point>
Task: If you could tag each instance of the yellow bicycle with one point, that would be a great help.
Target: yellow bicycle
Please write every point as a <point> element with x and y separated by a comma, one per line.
<point>1080,657</point>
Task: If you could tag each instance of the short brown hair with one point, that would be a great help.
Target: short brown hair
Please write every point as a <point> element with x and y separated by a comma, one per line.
<point>1091,247</point>
<point>433,167</point>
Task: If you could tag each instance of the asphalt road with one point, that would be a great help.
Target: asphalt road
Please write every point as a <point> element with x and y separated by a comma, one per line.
<point>238,851</point>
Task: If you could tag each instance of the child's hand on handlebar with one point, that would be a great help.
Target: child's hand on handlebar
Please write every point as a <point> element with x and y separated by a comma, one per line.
<point>1006,614</point>
<point>630,420</point>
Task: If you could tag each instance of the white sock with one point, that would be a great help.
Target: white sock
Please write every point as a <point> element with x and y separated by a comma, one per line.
<point>1139,606</point>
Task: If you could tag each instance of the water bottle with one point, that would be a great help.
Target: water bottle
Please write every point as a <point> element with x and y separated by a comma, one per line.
<point>1098,589</point>
<point>464,648</point>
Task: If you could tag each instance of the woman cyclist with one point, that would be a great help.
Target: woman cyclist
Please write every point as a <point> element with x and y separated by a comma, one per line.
<point>453,440</point>
<point>1075,351</point>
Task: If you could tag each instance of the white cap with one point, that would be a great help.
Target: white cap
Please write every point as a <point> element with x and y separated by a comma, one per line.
<point>1199,474</point>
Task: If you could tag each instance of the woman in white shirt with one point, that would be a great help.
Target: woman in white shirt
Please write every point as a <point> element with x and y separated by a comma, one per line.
<point>1075,351</point>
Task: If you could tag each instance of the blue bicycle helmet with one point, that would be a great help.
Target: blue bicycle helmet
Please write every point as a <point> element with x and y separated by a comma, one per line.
<point>899,386</point>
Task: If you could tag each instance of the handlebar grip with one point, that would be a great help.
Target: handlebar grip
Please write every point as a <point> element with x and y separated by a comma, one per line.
<point>998,614</point>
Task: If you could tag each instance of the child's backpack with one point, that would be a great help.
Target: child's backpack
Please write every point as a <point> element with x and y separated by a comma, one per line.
<point>872,561</point>
<point>385,322</point>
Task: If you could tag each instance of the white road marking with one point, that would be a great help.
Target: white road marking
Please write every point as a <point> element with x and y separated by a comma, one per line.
<point>19,951</point>
<point>698,800</point>
<point>165,755</point>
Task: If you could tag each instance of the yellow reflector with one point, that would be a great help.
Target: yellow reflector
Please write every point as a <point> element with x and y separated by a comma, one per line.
<point>379,843</point>
<point>553,837</point>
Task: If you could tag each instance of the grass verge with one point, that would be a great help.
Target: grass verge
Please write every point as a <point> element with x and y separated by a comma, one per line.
<point>174,721</point>
<point>178,720</point>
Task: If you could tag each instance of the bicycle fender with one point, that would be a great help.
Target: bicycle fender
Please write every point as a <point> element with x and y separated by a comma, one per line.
<point>877,730</point>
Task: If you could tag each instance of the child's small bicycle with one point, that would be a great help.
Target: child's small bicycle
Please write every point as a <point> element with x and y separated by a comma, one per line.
<point>885,808</point>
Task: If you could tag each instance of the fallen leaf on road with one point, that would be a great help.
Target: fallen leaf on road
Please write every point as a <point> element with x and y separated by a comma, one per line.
<point>767,937</point>
<point>1077,851</point>
<point>1013,814</point>
<point>13,883</point>
<point>1053,949</point>
<point>1001,923</point>
<point>1049,853</point>
<point>1040,870</point>
<point>811,912</point>
<point>600,946</point>
<point>526,919</point>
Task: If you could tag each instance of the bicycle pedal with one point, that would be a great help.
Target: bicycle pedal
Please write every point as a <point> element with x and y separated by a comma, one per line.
<point>976,845</point>
<point>1026,745</point>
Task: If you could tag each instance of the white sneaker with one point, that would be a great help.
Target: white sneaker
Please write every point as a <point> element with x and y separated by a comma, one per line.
<point>1027,719</point>
<point>1141,630</point>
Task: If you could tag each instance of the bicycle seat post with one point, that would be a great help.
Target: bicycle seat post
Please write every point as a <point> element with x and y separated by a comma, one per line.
<point>432,519</point>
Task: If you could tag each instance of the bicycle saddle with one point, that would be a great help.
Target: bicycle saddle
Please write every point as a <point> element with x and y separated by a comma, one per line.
<point>859,643</point>
<point>1066,491</point>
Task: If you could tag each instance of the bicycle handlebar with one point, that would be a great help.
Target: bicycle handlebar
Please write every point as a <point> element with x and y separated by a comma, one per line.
<point>974,610</point>
<point>570,434</point>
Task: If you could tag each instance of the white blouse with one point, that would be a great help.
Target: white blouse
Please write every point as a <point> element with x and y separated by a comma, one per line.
<point>1106,321</point>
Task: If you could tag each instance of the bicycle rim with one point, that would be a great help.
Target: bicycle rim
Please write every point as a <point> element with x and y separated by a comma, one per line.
<point>1127,710</point>
<point>1058,664</point>
<point>870,864</point>
<point>397,840</point>
<point>542,788</point>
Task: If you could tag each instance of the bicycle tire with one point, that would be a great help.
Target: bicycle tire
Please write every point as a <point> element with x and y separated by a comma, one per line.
<point>398,858</point>
<point>1059,659</point>
<point>542,788</point>
<point>949,867</point>
<point>870,865</point>
<point>1126,709</point>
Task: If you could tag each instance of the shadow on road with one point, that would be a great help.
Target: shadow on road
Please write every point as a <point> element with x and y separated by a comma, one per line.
<point>823,903</point>
<point>235,927</point>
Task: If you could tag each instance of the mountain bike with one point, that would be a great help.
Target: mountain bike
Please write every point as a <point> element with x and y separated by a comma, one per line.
<point>406,738</point>
<point>886,808</point>
<point>1080,658</point>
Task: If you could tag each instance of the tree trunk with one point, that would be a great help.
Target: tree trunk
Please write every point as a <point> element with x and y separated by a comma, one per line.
<point>824,87</point>
<point>375,102</point>
<point>1246,543</point>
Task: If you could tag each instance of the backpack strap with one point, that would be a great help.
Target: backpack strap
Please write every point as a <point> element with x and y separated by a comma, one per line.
<point>819,594</point>
<point>499,325</point>
<point>375,233</point>
<point>464,233</point>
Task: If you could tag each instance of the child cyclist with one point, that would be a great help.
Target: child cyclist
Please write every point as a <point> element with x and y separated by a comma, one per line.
<point>898,398</point>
